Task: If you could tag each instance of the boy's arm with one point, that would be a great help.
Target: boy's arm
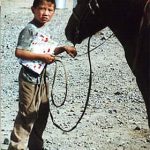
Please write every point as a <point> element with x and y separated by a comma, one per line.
<point>24,54</point>
<point>68,49</point>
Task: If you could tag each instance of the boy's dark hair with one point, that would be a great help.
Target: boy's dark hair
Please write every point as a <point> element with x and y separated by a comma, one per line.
<point>36,3</point>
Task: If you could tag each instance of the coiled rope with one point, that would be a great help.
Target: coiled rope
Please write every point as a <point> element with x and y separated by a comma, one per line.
<point>88,94</point>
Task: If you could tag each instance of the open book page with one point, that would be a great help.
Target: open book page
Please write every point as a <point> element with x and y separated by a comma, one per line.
<point>41,44</point>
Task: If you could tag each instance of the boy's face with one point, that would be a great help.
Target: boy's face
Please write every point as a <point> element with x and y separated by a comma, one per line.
<point>44,12</point>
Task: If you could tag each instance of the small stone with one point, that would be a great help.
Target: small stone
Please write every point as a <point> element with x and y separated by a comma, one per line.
<point>148,139</point>
<point>137,128</point>
<point>6,141</point>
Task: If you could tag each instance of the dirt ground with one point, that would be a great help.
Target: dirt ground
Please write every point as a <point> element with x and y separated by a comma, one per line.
<point>115,118</point>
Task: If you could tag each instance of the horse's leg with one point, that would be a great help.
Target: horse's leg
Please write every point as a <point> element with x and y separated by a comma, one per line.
<point>144,86</point>
<point>142,68</point>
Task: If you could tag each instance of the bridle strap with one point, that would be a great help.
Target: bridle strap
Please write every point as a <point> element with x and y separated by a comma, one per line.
<point>75,16</point>
<point>84,12</point>
<point>88,9</point>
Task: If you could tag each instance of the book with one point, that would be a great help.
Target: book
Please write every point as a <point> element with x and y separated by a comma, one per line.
<point>41,44</point>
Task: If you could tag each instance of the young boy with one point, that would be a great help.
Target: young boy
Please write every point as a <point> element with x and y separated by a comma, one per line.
<point>33,90</point>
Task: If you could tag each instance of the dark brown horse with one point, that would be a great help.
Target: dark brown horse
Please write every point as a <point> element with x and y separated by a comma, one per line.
<point>130,22</point>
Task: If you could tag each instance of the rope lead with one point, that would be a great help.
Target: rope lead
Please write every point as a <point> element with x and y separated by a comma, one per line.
<point>87,100</point>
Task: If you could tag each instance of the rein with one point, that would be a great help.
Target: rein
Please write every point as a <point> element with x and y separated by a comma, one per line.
<point>89,88</point>
<point>97,45</point>
<point>87,99</point>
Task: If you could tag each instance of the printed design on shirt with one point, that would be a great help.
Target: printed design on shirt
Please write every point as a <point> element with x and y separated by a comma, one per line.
<point>41,44</point>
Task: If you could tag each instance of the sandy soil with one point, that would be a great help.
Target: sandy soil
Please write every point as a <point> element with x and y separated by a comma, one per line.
<point>115,118</point>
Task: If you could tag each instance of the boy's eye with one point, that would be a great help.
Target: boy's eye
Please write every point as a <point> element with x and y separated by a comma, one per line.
<point>50,10</point>
<point>41,8</point>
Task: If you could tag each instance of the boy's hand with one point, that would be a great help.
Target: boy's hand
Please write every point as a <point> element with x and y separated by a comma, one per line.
<point>48,58</point>
<point>71,50</point>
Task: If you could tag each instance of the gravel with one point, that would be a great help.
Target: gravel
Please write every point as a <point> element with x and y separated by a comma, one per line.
<point>115,118</point>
